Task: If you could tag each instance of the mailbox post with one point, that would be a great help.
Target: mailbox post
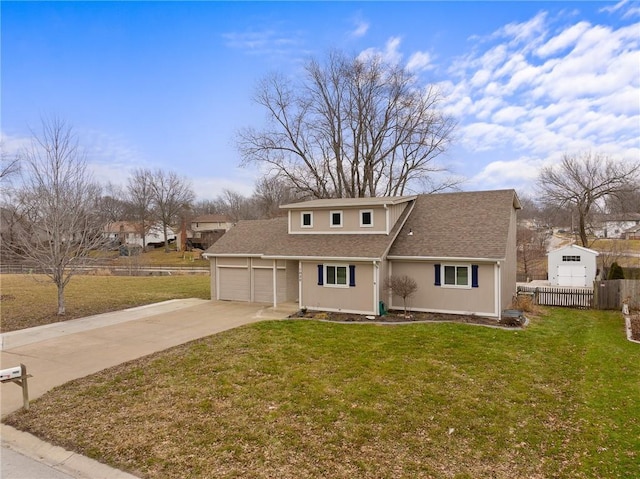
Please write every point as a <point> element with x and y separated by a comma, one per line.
<point>18,375</point>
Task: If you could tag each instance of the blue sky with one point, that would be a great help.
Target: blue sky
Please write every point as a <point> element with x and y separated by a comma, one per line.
<point>164,84</point>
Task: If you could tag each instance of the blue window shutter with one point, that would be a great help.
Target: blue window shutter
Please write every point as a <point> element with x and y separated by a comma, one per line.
<point>320,271</point>
<point>474,275</point>
<point>352,275</point>
<point>436,270</point>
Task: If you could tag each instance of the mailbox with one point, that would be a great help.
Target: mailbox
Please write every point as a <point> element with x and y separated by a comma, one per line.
<point>10,373</point>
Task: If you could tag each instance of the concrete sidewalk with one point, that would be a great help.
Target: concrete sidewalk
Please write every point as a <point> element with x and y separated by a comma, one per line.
<point>57,353</point>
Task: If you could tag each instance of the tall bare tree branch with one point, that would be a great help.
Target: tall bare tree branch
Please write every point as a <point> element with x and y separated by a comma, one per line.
<point>350,128</point>
<point>583,182</point>
<point>57,206</point>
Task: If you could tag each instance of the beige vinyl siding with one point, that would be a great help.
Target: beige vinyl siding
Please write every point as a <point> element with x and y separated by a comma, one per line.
<point>428,297</point>
<point>232,261</point>
<point>358,299</point>
<point>292,281</point>
<point>350,221</point>
<point>394,213</point>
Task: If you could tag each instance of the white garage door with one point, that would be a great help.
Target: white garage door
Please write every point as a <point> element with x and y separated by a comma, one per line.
<point>234,284</point>
<point>572,275</point>
<point>263,285</point>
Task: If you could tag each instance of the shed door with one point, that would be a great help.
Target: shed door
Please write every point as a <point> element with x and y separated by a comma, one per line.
<point>572,275</point>
<point>263,285</point>
<point>234,284</point>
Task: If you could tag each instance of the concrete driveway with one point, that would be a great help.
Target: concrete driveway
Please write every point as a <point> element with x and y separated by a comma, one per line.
<point>59,352</point>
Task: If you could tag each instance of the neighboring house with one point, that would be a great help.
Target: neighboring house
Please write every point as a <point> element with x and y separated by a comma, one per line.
<point>205,230</point>
<point>335,254</point>
<point>615,226</point>
<point>130,233</point>
<point>572,265</point>
<point>632,233</point>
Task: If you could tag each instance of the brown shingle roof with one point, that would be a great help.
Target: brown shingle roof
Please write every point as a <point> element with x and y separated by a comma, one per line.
<point>271,238</point>
<point>211,219</point>
<point>458,225</point>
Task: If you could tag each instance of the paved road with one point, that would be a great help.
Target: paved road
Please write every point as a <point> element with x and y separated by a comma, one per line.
<point>60,352</point>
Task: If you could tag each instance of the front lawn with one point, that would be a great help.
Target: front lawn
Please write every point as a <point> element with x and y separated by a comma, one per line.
<point>307,399</point>
<point>31,300</point>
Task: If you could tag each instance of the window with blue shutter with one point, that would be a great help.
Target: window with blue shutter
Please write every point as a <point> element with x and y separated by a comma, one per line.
<point>320,272</point>
<point>436,270</point>
<point>352,275</point>
<point>474,275</point>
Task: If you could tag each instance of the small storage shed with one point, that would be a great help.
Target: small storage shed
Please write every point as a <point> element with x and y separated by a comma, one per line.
<point>572,265</point>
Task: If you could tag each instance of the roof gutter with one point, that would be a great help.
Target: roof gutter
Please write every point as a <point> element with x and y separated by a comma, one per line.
<point>322,258</point>
<point>230,255</point>
<point>446,258</point>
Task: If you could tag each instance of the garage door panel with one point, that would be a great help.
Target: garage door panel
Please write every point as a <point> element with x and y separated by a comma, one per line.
<point>234,284</point>
<point>263,285</point>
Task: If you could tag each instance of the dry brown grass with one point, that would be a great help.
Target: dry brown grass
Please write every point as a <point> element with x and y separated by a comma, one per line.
<point>31,300</point>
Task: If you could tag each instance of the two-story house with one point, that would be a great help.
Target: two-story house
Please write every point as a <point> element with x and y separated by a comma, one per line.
<point>205,230</point>
<point>335,254</point>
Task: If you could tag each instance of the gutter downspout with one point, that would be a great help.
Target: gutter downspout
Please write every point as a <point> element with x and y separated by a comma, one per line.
<point>275,284</point>
<point>499,291</point>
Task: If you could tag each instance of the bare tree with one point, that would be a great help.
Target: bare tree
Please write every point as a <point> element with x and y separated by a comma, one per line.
<point>626,201</point>
<point>583,183</point>
<point>171,194</point>
<point>9,165</point>
<point>140,198</point>
<point>352,128</point>
<point>237,206</point>
<point>270,193</point>
<point>56,202</point>
<point>111,205</point>
<point>531,251</point>
<point>403,286</point>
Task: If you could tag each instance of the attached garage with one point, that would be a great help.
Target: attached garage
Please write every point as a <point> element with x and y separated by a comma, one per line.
<point>252,280</point>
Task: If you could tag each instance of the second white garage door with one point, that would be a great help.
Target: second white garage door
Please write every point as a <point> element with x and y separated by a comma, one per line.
<point>263,285</point>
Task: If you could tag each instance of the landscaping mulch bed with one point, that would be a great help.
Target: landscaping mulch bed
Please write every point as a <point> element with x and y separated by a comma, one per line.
<point>635,327</point>
<point>399,317</point>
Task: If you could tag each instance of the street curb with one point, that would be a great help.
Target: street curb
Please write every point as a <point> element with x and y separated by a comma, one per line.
<point>57,458</point>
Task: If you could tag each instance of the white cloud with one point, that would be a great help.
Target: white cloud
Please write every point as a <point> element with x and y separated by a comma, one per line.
<point>361,29</point>
<point>529,33</point>
<point>12,145</point>
<point>419,61</point>
<point>390,54</point>
<point>564,40</point>
<point>520,174</point>
<point>531,91</point>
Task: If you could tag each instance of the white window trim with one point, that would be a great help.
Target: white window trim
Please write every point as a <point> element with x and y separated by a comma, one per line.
<point>326,276</point>
<point>455,286</point>
<point>331,213</point>
<point>302,225</point>
<point>370,225</point>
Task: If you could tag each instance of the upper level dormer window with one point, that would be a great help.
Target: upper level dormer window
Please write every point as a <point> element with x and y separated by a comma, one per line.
<point>366,218</point>
<point>307,219</point>
<point>335,219</point>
